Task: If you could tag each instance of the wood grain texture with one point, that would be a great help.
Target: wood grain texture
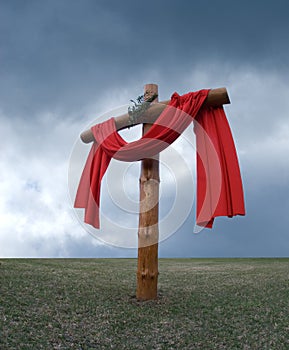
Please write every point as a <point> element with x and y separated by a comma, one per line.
<point>148,232</point>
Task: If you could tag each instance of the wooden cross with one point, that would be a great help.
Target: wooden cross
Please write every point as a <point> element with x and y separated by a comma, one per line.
<point>148,231</point>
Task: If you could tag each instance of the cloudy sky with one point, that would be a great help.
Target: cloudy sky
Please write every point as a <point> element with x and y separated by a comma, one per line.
<point>65,65</point>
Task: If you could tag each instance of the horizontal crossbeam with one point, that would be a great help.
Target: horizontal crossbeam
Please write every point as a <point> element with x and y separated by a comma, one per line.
<point>216,97</point>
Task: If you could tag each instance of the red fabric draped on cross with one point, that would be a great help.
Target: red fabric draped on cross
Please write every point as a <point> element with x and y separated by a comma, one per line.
<point>219,184</point>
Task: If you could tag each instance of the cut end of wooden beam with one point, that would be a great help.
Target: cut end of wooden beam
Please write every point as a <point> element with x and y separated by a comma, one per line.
<point>217,97</point>
<point>150,89</point>
<point>87,136</point>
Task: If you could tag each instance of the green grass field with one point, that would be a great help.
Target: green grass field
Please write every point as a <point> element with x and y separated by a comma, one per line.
<point>90,304</point>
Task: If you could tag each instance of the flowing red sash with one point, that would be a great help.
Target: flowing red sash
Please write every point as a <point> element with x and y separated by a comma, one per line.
<point>219,183</point>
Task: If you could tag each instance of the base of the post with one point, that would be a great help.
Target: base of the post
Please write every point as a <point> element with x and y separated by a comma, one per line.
<point>147,275</point>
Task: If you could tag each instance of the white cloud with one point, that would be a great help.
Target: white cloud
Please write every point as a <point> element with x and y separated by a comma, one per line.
<point>36,218</point>
<point>259,118</point>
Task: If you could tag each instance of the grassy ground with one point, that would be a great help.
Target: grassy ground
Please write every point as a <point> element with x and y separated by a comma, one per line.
<point>90,304</point>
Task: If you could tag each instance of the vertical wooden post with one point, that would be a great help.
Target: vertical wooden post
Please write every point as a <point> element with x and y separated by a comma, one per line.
<point>148,232</point>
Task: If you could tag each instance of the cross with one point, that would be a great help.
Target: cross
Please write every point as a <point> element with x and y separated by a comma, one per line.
<point>148,230</point>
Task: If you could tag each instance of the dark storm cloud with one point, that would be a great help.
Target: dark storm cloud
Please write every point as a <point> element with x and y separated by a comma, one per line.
<point>259,234</point>
<point>61,55</point>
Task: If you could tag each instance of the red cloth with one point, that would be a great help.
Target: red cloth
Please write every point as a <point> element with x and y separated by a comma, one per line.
<point>219,184</point>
